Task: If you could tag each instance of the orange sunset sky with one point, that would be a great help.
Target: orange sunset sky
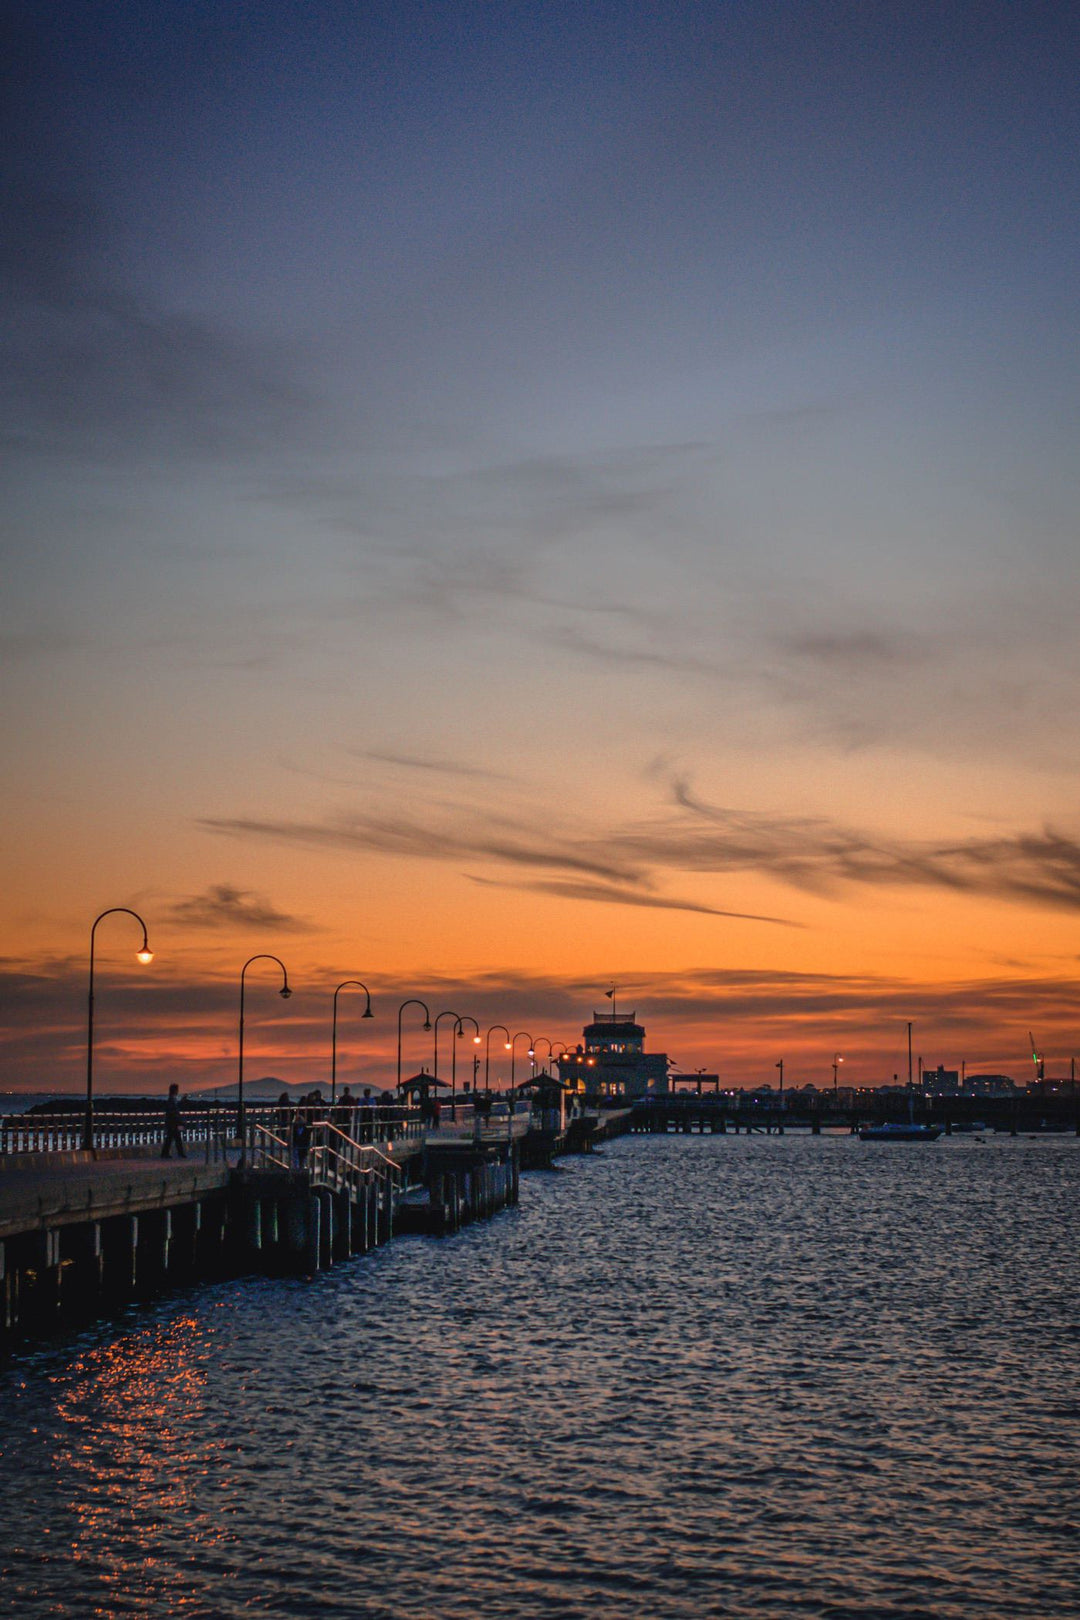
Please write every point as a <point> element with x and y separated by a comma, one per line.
<point>498,513</point>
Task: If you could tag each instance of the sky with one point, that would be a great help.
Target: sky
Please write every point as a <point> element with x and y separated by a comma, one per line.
<point>506,499</point>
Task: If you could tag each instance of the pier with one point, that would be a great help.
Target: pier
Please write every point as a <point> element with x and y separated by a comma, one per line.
<point>718,1113</point>
<point>83,1233</point>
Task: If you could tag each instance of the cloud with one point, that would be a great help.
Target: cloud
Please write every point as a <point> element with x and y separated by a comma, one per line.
<point>93,361</point>
<point>577,640</point>
<point>610,895</point>
<point>222,906</point>
<point>160,1025</point>
<point>627,863</point>
<point>823,857</point>
<point>490,837</point>
<point>857,651</point>
<point>442,767</point>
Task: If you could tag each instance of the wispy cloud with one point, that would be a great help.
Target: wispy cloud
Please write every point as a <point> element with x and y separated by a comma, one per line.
<point>223,906</point>
<point>823,857</point>
<point>575,639</point>
<point>440,767</point>
<point>628,863</point>
<point>609,894</point>
<point>492,838</point>
<point>856,651</point>
<point>92,359</point>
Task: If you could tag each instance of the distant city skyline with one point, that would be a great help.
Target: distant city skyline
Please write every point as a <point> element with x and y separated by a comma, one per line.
<point>502,499</point>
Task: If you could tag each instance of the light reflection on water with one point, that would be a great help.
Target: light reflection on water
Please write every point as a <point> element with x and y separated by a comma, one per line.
<point>719,1376</point>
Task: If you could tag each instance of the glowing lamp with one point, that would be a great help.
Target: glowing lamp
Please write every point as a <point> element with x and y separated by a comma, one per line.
<point>144,956</point>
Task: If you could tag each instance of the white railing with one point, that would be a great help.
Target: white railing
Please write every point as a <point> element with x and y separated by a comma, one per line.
<point>140,1129</point>
<point>269,1129</point>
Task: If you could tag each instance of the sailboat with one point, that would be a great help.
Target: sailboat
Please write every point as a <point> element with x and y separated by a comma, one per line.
<point>899,1130</point>
<point>896,1130</point>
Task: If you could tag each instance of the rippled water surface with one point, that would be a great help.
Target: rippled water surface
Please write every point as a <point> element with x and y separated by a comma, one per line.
<point>718,1376</point>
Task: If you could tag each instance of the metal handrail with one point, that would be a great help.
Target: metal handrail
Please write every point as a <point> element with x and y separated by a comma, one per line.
<point>260,1136</point>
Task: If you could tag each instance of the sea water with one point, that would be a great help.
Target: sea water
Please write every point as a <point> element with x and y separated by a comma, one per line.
<point>731,1376</point>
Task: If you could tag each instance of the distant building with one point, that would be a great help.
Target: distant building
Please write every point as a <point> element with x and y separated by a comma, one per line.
<point>989,1085</point>
<point>612,1062</point>
<point>699,1081</point>
<point>941,1082</point>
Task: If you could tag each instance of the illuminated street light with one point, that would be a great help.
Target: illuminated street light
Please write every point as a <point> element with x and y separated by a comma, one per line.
<point>522,1034</point>
<point>144,955</point>
<point>836,1062</point>
<point>487,1052</point>
<point>367,1013</point>
<point>457,1028</point>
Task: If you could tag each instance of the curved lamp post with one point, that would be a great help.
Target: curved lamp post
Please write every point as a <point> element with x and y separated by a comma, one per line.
<point>459,1031</point>
<point>487,1051</point>
<point>413,1001</point>
<point>367,1013</point>
<point>522,1034</point>
<point>543,1038</point>
<point>435,1054</point>
<point>144,954</point>
<point>284,993</point>
<point>836,1062</point>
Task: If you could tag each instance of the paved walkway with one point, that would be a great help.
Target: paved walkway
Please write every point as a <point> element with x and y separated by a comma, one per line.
<point>57,1194</point>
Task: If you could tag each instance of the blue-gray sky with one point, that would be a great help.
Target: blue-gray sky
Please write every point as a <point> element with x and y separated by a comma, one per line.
<point>607,463</point>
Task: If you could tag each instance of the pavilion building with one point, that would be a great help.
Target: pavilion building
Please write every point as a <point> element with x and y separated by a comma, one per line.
<point>611,1060</point>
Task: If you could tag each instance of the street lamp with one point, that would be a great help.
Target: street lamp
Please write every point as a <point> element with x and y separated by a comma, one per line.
<point>780,1066</point>
<point>487,1051</point>
<point>413,1001</point>
<point>459,1032</point>
<point>522,1034</point>
<point>836,1062</point>
<point>144,955</point>
<point>284,993</point>
<point>367,1013</point>
<point>544,1038</point>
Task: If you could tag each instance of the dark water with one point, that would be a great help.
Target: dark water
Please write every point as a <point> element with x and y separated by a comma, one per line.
<point>768,1377</point>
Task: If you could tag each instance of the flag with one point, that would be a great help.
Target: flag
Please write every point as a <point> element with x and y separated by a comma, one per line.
<point>610,993</point>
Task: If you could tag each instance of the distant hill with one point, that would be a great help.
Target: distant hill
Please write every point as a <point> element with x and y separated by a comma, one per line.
<point>266,1089</point>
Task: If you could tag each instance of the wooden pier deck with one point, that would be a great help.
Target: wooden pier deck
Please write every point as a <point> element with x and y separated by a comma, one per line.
<point>82,1233</point>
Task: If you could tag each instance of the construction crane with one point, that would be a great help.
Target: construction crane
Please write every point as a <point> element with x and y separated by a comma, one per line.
<point>1037,1059</point>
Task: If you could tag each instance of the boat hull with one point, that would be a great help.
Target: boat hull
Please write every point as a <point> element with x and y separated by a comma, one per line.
<point>899,1133</point>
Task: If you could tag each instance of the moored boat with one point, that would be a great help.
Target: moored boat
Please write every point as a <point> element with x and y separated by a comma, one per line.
<point>897,1131</point>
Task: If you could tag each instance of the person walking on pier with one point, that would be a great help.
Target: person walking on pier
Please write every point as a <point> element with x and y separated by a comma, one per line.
<point>172,1124</point>
<point>301,1138</point>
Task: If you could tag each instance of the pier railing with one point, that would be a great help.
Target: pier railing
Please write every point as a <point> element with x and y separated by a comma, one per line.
<point>140,1129</point>
<point>210,1127</point>
<point>329,1155</point>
